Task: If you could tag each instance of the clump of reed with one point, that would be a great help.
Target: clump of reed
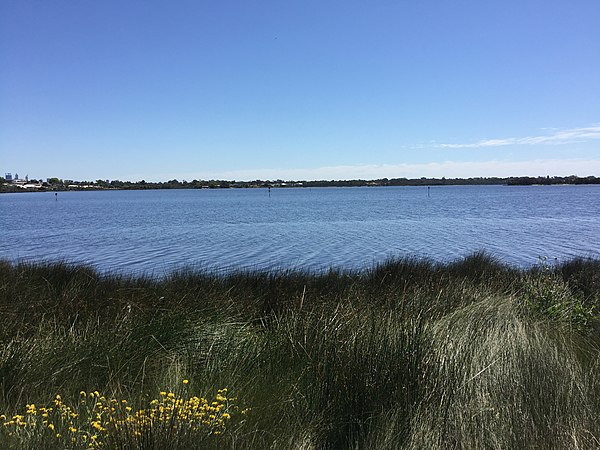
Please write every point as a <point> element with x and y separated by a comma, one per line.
<point>408,354</point>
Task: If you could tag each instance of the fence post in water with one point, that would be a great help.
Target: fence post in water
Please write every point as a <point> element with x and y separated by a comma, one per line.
<point>428,188</point>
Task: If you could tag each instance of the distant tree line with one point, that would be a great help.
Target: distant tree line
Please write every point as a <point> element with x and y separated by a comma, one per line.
<point>56,184</point>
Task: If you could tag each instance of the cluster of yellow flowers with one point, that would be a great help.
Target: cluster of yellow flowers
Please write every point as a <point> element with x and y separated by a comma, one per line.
<point>97,420</point>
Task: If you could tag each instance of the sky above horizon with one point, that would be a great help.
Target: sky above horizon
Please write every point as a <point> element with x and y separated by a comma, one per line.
<point>299,90</point>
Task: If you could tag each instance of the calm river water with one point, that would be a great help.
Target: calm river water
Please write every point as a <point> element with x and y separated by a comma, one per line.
<point>154,232</point>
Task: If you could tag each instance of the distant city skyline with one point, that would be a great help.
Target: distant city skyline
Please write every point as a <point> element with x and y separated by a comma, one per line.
<point>299,91</point>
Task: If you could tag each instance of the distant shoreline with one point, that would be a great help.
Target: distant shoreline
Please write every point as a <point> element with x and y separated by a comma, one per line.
<point>57,185</point>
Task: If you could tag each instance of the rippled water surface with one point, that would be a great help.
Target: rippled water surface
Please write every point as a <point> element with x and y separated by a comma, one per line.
<point>155,232</point>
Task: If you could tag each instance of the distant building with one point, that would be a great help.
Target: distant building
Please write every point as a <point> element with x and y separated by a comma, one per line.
<point>8,177</point>
<point>31,186</point>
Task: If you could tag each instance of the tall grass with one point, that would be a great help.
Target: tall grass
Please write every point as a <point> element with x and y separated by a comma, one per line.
<point>409,354</point>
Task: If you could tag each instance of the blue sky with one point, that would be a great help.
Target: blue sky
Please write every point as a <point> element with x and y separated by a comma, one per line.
<point>295,89</point>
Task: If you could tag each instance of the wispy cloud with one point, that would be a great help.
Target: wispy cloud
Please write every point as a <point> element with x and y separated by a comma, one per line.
<point>448,169</point>
<point>558,137</point>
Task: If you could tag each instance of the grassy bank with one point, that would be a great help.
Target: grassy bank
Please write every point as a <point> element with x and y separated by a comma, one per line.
<point>411,354</point>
